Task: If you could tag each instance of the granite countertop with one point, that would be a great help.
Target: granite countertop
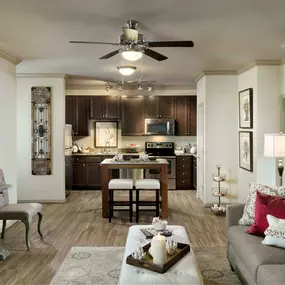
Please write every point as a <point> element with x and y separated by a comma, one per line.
<point>187,154</point>
<point>105,154</point>
<point>158,161</point>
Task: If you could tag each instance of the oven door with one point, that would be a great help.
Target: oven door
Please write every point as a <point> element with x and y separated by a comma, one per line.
<point>158,127</point>
<point>155,173</point>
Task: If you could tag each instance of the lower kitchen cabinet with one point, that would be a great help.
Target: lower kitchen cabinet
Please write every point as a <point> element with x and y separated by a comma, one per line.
<point>195,172</point>
<point>79,174</point>
<point>184,172</point>
<point>68,172</point>
<point>87,172</point>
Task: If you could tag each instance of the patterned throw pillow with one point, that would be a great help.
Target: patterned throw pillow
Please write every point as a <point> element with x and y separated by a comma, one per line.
<point>247,218</point>
<point>275,233</point>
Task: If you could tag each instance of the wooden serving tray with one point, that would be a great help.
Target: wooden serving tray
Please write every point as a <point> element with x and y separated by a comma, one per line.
<point>147,263</point>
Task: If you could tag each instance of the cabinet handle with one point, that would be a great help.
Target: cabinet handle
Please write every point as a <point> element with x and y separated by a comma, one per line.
<point>83,164</point>
<point>183,181</point>
<point>183,165</point>
<point>157,116</point>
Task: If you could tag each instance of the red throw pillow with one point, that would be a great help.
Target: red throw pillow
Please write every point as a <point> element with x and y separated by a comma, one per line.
<point>264,205</point>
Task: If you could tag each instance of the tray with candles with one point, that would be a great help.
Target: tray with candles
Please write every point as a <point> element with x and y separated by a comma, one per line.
<point>144,259</point>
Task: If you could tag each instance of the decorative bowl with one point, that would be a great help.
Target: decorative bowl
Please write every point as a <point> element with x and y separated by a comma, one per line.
<point>152,158</point>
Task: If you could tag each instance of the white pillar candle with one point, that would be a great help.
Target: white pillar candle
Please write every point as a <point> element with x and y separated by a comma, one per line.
<point>158,249</point>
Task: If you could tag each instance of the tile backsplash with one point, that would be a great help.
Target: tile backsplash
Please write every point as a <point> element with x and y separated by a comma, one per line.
<point>139,140</point>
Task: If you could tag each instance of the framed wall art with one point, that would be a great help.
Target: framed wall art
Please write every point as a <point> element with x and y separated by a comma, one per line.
<point>246,150</point>
<point>246,109</point>
<point>106,134</point>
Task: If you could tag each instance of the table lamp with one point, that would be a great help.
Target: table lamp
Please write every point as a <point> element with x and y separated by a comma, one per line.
<point>274,146</point>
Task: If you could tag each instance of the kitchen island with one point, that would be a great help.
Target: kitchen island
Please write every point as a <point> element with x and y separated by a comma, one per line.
<point>161,164</point>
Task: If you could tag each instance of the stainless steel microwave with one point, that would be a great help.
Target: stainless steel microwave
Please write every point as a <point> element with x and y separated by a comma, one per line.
<point>165,127</point>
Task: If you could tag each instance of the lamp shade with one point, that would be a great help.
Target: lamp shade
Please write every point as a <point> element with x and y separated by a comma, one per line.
<point>274,145</point>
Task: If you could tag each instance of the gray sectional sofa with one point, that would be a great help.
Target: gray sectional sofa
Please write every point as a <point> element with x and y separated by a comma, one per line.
<point>255,263</point>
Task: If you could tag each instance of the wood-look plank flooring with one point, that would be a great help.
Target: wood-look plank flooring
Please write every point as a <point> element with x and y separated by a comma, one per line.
<point>78,222</point>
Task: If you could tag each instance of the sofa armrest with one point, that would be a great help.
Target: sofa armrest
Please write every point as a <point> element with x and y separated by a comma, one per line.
<point>234,213</point>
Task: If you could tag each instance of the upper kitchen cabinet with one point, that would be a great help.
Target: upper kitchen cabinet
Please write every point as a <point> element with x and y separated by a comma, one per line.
<point>77,114</point>
<point>186,111</point>
<point>159,106</point>
<point>104,107</point>
<point>132,115</point>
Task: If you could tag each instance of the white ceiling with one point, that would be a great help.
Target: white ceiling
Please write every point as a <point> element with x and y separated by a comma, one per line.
<point>228,34</point>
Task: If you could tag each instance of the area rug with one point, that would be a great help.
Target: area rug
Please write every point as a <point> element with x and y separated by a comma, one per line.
<point>101,266</point>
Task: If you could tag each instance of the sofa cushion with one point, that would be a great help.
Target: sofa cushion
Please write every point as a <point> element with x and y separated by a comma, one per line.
<point>247,218</point>
<point>264,205</point>
<point>271,274</point>
<point>251,251</point>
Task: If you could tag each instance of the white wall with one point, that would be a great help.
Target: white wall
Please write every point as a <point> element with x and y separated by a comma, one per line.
<point>49,188</point>
<point>8,114</point>
<point>246,80</point>
<point>201,134</point>
<point>8,139</point>
<point>220,134</point>
<point>265,81</point>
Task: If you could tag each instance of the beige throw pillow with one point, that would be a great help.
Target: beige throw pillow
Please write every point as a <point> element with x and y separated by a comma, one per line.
<point>247,218</point>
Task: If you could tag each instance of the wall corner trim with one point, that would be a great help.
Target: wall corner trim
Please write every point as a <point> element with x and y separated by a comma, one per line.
<point>9,57</point>
<point>215,72</point>
<point>261,62</point>
<point>41,75</point>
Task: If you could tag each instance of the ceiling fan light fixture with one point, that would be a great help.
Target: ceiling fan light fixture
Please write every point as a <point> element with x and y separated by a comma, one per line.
<point>120,86</point>
<point>140,87</point>
<point>126,69</point>
<point>132,55</point>
<point>108,86</point>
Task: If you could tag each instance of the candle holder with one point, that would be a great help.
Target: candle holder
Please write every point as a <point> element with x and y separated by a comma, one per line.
<point>171,246</point>
<point>218,191</point>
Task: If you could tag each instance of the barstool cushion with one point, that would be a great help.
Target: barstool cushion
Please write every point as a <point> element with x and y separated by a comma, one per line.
<point>117,184</point>
<point>147,184</point>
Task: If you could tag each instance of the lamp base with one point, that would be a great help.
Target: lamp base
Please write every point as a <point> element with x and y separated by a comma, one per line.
<point>280,170</point>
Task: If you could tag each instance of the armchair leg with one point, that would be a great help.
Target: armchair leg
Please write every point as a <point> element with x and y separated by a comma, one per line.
<point>27,225</point>
<point>39,224</point>
<point>3,229</point>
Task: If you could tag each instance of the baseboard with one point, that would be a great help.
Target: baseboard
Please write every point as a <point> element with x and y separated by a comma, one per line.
<point>208,205</point>
<point>43,201</point>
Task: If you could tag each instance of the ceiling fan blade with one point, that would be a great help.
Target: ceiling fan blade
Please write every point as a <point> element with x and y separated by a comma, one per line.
<point>131,34</point>
<point>110,54</point>
<point>95,43</point>
<point>171,44</point>
<point>155,55</point>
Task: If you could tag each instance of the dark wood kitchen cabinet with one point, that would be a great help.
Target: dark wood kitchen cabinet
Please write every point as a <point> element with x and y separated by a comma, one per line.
<point>104,107</point>
<point>132,115</point>
<point>184,172</point>
<point>185,114</point>
<point>87,172</point>
<point>77,114</point>
<point>195,172</point>
<point>79,174</point>
<point>68,172</point>
<point>159,106</point>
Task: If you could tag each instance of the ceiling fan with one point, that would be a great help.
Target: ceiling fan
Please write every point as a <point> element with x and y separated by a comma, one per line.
<point>132,44</point>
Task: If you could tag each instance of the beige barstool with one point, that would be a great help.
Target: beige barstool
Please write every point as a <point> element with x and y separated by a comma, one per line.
<point>120,185</point>
<point>147,184</point>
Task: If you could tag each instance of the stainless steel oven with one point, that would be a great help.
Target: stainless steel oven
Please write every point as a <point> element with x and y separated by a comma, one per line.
<point>154,173</point>
<point>159,127</point>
